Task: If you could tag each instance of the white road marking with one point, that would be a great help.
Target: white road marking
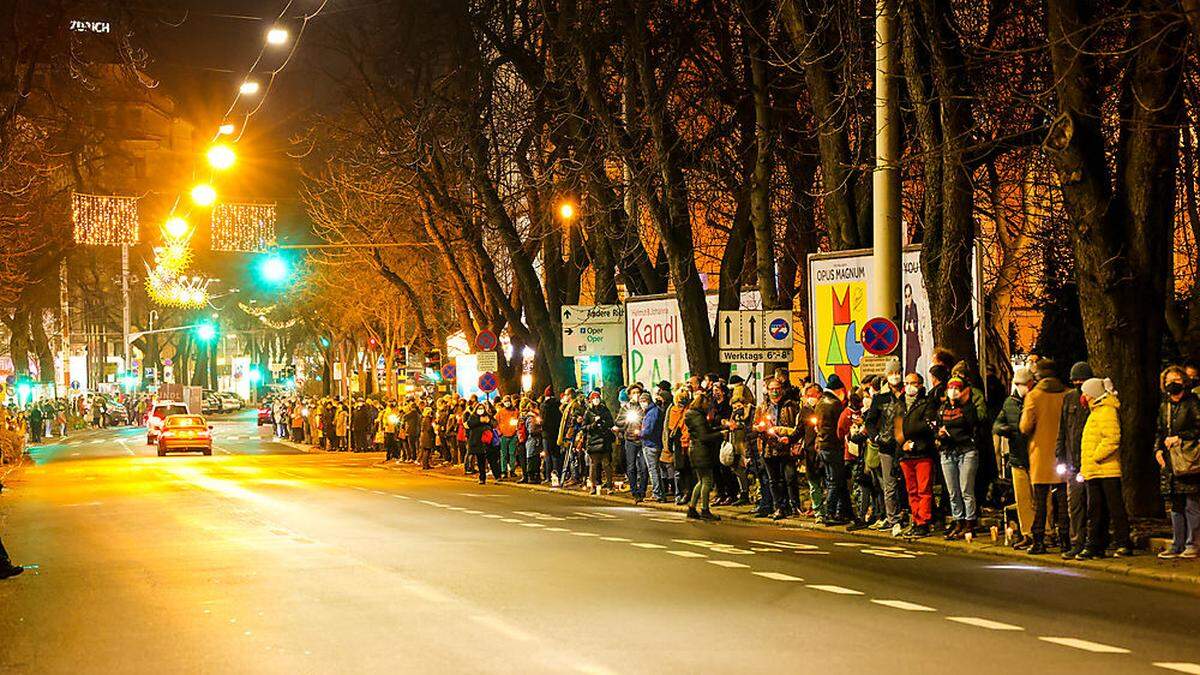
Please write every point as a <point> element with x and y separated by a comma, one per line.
<point>777,576</point>
<point>727,563</point>
<point>492,516</point>
<point>381,492</point>
<point>785,544</point>
<point>98,441</point>
<point>74,454</point>
<point>765,549</point>
<point>621,540</point>
<point>357,487</point>
<point>532,525</point>
<point>473,512</point>
<point>904,605</point>
<point>849,544</point>
<point>593,515</point>
<point>401,497</point>
<point>812,553</point>
<point>1179,666</point>
<point>642,544</point>
<point>983,623</point>
<point>1085,645</point>
<point>880,553</point>
<point>585,534</point>
<point>838,590</point>
<point>557,529</point>
<point>687,554</point>
<point>511,520</point>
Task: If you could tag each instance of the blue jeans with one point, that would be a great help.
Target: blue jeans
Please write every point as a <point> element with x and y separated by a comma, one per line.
<point>837,492</point>
<point>1185,521</point>
<point>650,458</point>
<point>635,468</point>
<point>759,467</point>
<point>958,470</point>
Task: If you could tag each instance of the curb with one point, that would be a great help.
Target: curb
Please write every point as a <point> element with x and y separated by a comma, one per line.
<point>980,547</point>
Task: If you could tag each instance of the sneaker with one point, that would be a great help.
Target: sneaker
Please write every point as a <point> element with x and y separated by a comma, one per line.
<point>1037,549</point>
<point>709,515</point>
<point>1073,554</point>
<point>692,514</point>
<point>881,525</point>
<point>857,525</point>
<point>11,572</point>
<point>1190,553</point>
<point>1126,552</point>
<point>1085,554</point>
<point>778,515</point>
<point>1170,553</point>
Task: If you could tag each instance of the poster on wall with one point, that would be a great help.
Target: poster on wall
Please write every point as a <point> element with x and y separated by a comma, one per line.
<point>655,348</point>
<point>838,289</point>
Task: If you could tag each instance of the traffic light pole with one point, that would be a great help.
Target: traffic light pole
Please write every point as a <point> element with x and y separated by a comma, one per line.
<point>125,310</point>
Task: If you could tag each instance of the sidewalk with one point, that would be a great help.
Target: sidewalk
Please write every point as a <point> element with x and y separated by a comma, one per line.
<point>1142,567</point>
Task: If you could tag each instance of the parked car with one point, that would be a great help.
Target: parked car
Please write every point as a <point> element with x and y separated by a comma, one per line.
<point>184,433</point>
<point>266,414</point>
<point>159,412</point>
<point>230,401</point>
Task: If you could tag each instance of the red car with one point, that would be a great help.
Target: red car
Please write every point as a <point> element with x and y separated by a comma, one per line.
<point>185,433</point>
<point>265,416</point>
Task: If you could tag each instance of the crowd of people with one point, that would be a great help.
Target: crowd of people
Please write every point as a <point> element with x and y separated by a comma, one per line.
<point>894,452</point>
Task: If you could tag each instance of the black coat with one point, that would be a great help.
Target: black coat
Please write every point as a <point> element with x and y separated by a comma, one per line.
<point>1008,425</point>
<point>1183,420</point>
<point>551,412</point>
<point>476,426</point>
<point>917,426</point>
<point>597,427</point>
<point>1070,430</point>
<point>704,440</point>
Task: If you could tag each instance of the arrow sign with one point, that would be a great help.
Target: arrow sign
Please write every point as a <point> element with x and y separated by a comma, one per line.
<point>728,323</point>
<point>752,331</point>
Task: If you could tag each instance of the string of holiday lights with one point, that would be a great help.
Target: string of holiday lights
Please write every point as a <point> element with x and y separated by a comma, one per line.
<point>246,228</point>
<point>104,220</point>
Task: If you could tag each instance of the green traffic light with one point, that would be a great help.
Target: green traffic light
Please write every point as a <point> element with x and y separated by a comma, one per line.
<point>273,269</point>
<point>205,332</point>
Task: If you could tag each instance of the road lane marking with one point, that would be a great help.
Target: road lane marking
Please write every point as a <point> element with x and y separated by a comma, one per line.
<point>849,544</point>
<point>812,553</point>
<point>727,563</point>
<point>642,544</point>
<point>1179,666</point>
<point>401,497</point>
<point>621,540</point>
<point>837,590</point>
<point>765,549</point>
<point>381,492</point>
<point>511,520</point>
<point>904,605</point>
<point>585,534</point>
<point>501,626</point>
<point>492,516</point>
<point>1085,645</point>
<point>777,576</point>
<point>687,554</point>
<point>473,512</point>
<point>557,529</point>
<point>532,525</point>
<point>593,515</point>
<point>983,623</point>
<point>785,544</point>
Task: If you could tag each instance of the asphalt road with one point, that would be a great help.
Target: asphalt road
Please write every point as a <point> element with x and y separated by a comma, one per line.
<point>262,558</point>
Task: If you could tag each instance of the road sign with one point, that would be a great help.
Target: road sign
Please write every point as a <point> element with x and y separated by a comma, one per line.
<point>874,365</point>
<point>593,330</point>
<point>412,360</point>
<point>487,362</point>
<point>487,383</point>
<point>485,341</point>
<point>754,335</point>
<point>880,336</point>
<point>449,372</point>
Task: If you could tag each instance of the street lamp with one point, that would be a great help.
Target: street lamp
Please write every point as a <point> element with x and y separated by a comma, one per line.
<point>225,130</point>
<point>566,211</point>
<point>221,157</point>
<point>176,227</point>
<point>277,36</point>
<point>249,88</point>
<point>204,194</point>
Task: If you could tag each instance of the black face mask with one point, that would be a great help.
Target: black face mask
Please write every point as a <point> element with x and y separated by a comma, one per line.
<point>1174,388</point>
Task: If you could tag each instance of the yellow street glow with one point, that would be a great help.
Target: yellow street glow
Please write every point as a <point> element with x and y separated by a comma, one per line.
<point>176,227</point>
<point>566,210</point>
<point>204,194</point>
<point>221,157</point>
<point>277,36</point>
<point>225,130</point>
<point>249,87</point>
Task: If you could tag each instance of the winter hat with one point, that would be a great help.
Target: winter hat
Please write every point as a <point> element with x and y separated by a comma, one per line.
<point>892,367</point>
<point>1095,388</point>
<point>595,394</point>
<point>549,391</point>
<point>1023,376</point>
<point>834,383</point>
<point>1045,368</point>
<point>664,385</point>
<point>622,396</point>
<point>956,383</point>
<point>1081,371</point>
<point>736,379</point>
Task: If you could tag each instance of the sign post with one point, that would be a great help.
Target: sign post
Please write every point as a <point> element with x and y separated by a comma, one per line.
<point>754,335</point>
<point>593,330</point>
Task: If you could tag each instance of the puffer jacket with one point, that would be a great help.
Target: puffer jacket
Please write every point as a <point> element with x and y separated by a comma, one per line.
<point>1070,430</point>
<point>1183,420</point>
<point>1008,426</point>
<point>1039,422</point>
<point>1100,445</point>
<point>957,424</point>
<point>705,440</point>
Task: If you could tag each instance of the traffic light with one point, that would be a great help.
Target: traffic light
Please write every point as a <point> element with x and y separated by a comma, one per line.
<point>206,331</point>
<point>373,344</point>
<point>400,357</point>
<point>273,269</point>
<point>433,360</point>
<point>255,375</point>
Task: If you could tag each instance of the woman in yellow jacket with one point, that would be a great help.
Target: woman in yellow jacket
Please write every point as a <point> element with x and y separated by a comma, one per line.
<point>1101,470</point>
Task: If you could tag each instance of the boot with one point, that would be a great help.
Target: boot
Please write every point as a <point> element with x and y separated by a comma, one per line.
<point>692,514</point>
<point>954,532</point>
<point>1038,548</point>
<point>709,515</point>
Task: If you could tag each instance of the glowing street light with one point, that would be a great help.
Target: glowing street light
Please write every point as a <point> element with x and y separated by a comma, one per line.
<point>221,157</point>
<point>176,227</point>
<point>274,269</point>
<point>204,194</point>
<point>205,332</point>
<point>277,36</point>
<point>249,88</point>
<point>566,210</point>
<point>225,130</point>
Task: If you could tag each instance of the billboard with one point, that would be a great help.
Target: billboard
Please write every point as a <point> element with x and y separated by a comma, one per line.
<point>838,291</point>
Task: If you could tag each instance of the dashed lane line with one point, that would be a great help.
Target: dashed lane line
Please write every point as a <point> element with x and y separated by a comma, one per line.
<point>983,623</point>
<point>557,529</point>
<point>904,605</point>
<point>643,544</point>
<point>777,576</point>
<point>493,516</point>
<point>836,590</point>
<point>1085,645</point>
<point>687,554</point>
<point>511,520</point>
<point>620,540</point>
<point>532,525</point>
<point>584,534</point>
<point>1179,666</point>
<point>728,563</point>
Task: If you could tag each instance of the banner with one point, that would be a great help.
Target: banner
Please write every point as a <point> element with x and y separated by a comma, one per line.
<point>838,289</point>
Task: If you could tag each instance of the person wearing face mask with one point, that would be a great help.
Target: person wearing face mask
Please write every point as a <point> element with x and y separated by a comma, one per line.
<point>856,453</point>
<point>814,471</point>
<point>1100,466</point>
<point>957,425</point>
<point>915,440</point>
<point>1066,453</point>
<point>879,419</point>
<point>479,438</point>
<point>782,430</point>
<point>507,421</point>
<point>829,446</point>
<point>1008,427</point>
<point>597,428</point>
<point>677,438</point>
<point>629,425</point>
<point>651,440</point>
<point>551,412</point>
<point>1177,450</point>
<point>702,454</point>
<point>1040,419</point>
<point>739,423</point>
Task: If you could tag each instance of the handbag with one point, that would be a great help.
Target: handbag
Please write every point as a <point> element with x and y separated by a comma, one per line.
<point>727,453</point>
<point>1185,458</point>
<point>486,438</point>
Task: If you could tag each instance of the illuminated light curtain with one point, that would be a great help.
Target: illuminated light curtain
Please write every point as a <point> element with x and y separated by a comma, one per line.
<point>102,220</point>
<point>247,228</point>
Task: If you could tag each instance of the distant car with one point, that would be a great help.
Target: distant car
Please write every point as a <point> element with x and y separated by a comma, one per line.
<point>185,433</point>
<point>211,405</point>
<point>265,413</point>
<point>158,413</point>
<point>115,413</point>
<point>230,401</point>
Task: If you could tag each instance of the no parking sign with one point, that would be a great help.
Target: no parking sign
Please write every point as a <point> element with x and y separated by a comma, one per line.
<point>487,383</point>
